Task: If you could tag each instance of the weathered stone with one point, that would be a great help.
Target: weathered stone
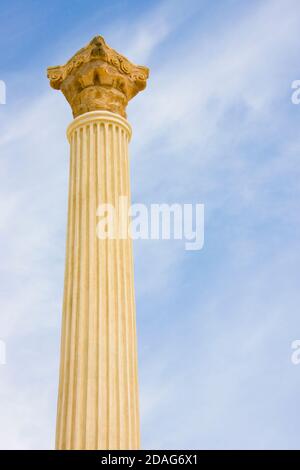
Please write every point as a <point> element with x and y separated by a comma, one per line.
<point>98,77</point>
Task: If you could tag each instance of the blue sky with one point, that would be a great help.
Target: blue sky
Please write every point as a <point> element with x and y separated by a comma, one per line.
<point>215,125</point>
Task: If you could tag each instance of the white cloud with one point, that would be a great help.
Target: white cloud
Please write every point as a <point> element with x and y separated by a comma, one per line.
<point>210,95</point>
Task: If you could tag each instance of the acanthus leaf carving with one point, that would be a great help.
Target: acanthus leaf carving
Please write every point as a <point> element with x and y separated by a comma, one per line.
<point>98,77</point>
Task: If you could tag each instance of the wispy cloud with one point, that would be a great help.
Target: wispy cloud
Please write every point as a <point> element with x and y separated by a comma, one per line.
<point>214,126</point>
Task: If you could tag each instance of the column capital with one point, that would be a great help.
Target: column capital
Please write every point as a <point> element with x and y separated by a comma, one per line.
<point>98,78</point>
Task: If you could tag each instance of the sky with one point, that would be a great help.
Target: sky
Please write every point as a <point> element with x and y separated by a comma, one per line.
<point>217,126</point>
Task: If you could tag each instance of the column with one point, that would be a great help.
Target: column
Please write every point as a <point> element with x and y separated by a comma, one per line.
<point>98,401</point>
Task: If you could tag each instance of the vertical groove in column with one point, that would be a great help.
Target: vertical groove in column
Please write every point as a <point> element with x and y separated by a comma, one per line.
<point>77,379</point>
<point>108,296</point>
<point>120,309</point>
<point>75,294</point>
<point>85,312</point>
<point>65,331</point>
<point>132,328</point>
<point>63,436</point>
<point>102,313</point>
<point>124,339</point>
<point>97,284</point>
<point>84,305</point>
<point>111,301</point>
<point>91,397</point>
<point>117,318</point>
<point>128,310</point>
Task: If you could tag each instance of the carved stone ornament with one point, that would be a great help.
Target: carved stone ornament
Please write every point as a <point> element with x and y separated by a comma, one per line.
<point>98,78</point>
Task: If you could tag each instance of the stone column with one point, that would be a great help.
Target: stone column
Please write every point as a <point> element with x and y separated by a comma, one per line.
<point>98,403</point>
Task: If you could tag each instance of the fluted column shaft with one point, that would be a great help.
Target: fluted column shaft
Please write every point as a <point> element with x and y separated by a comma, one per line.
<point>98,389</point>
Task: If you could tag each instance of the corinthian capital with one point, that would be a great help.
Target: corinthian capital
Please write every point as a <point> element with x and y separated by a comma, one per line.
<point>98,78</point>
